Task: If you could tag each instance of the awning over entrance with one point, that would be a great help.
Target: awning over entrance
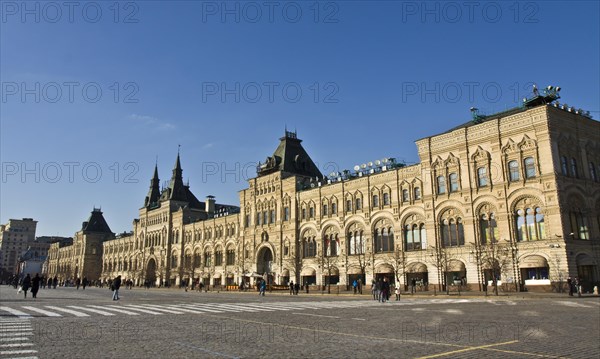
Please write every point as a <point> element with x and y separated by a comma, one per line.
<point>585,260</point>
<point>533,261</point>
<point>308,272</point>
<point>456,266</point>
<point>417,268</point>
<point>384,268</point>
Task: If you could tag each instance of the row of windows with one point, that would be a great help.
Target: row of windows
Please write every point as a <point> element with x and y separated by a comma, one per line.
<point>569,168</point>
<point>483,179</point>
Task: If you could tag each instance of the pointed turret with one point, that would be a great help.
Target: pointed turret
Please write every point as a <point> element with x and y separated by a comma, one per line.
<point>152,199</point>
<point>178,191</point>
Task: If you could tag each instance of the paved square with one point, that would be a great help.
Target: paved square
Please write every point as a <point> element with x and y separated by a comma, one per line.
<point>67,323</point>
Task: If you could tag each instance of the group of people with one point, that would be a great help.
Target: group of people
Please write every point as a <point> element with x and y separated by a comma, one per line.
<point>294,288</point>
<point>30,283</point>
<point>357,286</point>
<point>381,290</point>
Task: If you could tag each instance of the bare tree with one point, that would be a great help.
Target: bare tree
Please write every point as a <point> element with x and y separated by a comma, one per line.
<point>440,257</point>
<point>495,257</point>
<point>327,264</point>
<point>397,259</point>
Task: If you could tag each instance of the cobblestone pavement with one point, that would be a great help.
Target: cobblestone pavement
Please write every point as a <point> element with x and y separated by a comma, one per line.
<point>168,323</point>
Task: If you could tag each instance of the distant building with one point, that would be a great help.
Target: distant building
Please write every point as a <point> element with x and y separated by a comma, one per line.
<point>81,257</point>
<point>15,238</point>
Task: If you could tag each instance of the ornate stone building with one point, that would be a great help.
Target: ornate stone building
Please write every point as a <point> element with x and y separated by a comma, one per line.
<point>512,197</point>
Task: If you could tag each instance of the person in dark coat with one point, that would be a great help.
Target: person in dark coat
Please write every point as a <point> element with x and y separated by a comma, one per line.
<point>26,284</point>
<point>116,284</point>
<point>35,285</point>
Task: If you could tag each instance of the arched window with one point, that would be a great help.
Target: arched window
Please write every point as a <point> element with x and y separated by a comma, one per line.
<point>309,246</point>
<point>405,196</point>
<point>564,166</point>
<point>441,184</point>
<point>579,225</point>
<point>333,207</point>
<point>513,171</point>
<point>219,257</point>
<point>348,205</point>
<point>375,200</point>
<point>230,260</point>
<point>592,172</point>
<point>358,204</point>
<point>482,177</point>
<point>529,167</point>
<point>331,242</point>
<point>356,243</point>
<point>386,199</point>
<point>452,231</point>
<point>453,182</point>
<point>529,224</point>
<point>488,228</point>
<point>383,235</point>
<point>325,209</point>
<point>414,236</point>
<point>173,261</point>
<point>417,193</point>
<point>574,167</point>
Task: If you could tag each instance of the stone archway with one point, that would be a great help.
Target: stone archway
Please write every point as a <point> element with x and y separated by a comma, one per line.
<point>151,271</point>
<point>264,262</point>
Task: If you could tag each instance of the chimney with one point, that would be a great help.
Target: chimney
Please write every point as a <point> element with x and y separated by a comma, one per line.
<point>210,206</point>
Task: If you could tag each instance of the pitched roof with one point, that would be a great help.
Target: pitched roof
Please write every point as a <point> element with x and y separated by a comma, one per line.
<point>96,223</point>
<point>290,157</point>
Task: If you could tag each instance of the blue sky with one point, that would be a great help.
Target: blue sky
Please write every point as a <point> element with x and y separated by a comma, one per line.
<point>108,88</point>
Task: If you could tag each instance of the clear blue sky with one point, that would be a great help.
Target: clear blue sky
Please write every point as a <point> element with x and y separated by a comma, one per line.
<point>387,73</point>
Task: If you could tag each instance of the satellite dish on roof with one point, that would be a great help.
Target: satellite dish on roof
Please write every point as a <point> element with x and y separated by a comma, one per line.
<point>377,162</point>
<point>363,166</point>
<point>370,164</point>
<point>357,167</point>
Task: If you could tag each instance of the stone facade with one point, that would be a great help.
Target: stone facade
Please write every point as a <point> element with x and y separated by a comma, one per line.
<point>15,238</point>
<point>513,196</point>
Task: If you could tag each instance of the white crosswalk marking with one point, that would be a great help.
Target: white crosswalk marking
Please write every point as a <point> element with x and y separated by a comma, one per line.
<point>186,310</point>
<point>74,312</point>
<point>18,334</point>
<point>160,309</point>
<point>12,339</point>
<point>142,310</point>
<point>15,312</point>
<point>106,314</point>
<point>16,345</point>
<point>199,307</point>
<point>42,311</point>
<point>117,310</point>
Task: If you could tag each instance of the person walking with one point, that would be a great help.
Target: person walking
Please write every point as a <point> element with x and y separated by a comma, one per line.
<point>397,292</point>
<point>26,284</point>
<point>116,284</point>
<point>385,290</point>
<point>54,282</point>
<point>35,285</point>
<point>374,289</point>
<point>263,288</point>
<point>84,282</point>
<point>292,287</point>
<point>413,285</point>
<point>355,286</point>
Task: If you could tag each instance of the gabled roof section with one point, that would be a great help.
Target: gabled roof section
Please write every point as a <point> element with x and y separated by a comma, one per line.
<point>96,223</point>
<point>177,191</point>
<point>289,157</point>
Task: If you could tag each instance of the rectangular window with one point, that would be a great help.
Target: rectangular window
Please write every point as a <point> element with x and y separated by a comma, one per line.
<point>286,214</point>
<point>247,221</point>
<point>303,213</point>
<point>375,201</point>
<point>325,210</point>
<point>265,217</point>
<point>257,219</point>
<point>358,204</point>
<point>349,205</point>
<point>311,212</point>
<point>386,199</point>
<point>482,177</point>
<point>334,208</point>
<point>273,216</point>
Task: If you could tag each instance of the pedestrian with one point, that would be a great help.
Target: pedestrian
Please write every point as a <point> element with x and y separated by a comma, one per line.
<point>116,284</point>
<point>35,285</point>
<point>263,288</point>
<point>355,286</point>
<point>296,288</point>
<point>578,286</point>
<point>378,289</point>
<point>385,290</point>
<point>55,282</point>
<point>77,282</point>
<point>374,289</point>
<point>292,287</point>
<point>26,284</point>
<point>570,285</point>
<point>84,282</point>
<point>413,285</point>
<point>397,292</point>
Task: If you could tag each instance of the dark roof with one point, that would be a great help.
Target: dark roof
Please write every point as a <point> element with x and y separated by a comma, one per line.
<point>290,157</point>
<point>177,191</point>
<point>152,199</point>
<point>96,223</point>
